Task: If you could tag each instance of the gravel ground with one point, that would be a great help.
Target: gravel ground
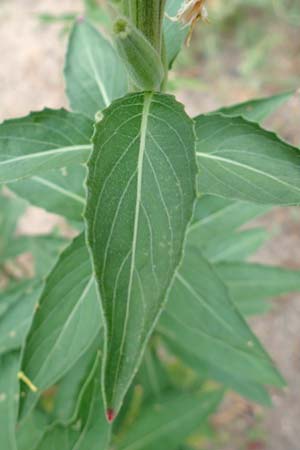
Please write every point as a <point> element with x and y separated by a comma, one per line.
<point>31,77</point>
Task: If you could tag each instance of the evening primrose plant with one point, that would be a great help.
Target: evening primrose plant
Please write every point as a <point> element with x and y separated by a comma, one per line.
<point>131,338</point>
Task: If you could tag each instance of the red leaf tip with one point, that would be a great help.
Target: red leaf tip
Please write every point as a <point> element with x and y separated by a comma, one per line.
<point>111,415</point>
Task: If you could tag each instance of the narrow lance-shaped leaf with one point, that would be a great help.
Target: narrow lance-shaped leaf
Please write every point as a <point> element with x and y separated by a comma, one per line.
<point>237,159</point>
<point>235,246</point>
<point>210,371</point>
<point>42,141</point>
<point>66,322</point>
<point>201,319</point>
<point>140,200</point>
<point>249,282</point>
<point>73,384</point>
<point>90,430</point>
<point>95,75</point>
<point>258,109</point>
<point>216,216</point>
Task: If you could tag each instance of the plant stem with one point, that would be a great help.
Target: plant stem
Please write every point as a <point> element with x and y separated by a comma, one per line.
<point>147,16</point>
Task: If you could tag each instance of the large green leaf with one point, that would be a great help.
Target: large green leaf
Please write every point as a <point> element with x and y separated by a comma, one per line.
<point>143,168</point>
<point>239,160</point>
<point>258,109</point>
<point>42,141</point>
<point>201,319</point>
<point>59,191</point>
<point>166,423</point>
<point>174,32</point>
<point>9,366</point>
<point>94,72</point>
<point>65,324</point>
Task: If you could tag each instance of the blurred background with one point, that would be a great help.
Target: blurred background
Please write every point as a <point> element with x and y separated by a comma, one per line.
<point>251,48</point>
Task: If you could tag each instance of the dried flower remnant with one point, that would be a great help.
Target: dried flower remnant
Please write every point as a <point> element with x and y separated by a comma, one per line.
<point>190,13</point>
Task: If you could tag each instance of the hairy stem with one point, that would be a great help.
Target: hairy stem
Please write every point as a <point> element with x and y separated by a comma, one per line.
<point>147,16</point>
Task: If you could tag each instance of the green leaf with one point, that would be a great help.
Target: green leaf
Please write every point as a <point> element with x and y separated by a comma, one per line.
<point>258,109</point>
<point>143,166</point>
<point>58,438</point>
<point>216,216</point>
<point>233,247</point>
<point>9,366</point>
<point>59,334</point>
<point>239,160</point>
<point>201,319</point>
<point>249,282</point>
<point>90,430</point>
<point>174,32</point>
<point>42,141</point>
<point>72,386</point>
<point>10,211</point>
<point>15,323</point>
<point>11,294</point>
<point>152,376</point>
<point>95,75</point>
<point>207,370</point>
<point>166,423</point>
<point>31,431</point>
<point>57,191</point>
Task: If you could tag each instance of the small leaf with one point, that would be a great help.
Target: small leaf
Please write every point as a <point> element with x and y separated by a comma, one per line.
<point>143,167</point>
<point>42,141</point>
<point>95,75</point>
<point>258,109</point>
<point>9,366</point>
<point>166,423</point>
<point>59,334</point>
<point>239,160</point>
<point>201,319</point>
<point>174,32</point>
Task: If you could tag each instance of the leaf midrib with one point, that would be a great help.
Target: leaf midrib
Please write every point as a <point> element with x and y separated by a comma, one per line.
<point>45,154</point>
<point>142,150</point>
<point>247,167</point>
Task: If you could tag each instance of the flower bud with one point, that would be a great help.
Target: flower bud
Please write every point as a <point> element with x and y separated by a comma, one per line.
<point>142,61</point>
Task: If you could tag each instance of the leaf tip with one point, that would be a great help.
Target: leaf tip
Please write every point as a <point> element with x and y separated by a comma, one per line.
<point>110,415</point>
<point>80,19</point>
